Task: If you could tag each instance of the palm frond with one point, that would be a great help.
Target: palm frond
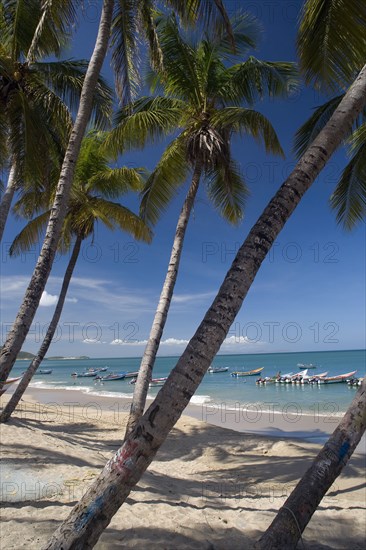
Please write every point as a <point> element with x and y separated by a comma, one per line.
<point>180,63</point>
<point>227,191</point>
<point>255,79</point>
<point>125,47</point>
<point>162,185</point>
<point>349,197</point>
<point>306,134</point>
<point>31,234</point>
<point>148,19</point>
<point>113,214</point>
<point>147,119</point>
<point>53,29</point>
<point>253,123</point>
<point>331,42</point>
<point>246,31</point>
<point>114,182</point>
<point>66,79</point>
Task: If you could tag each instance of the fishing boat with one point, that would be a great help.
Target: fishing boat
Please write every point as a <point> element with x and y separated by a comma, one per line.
<point>84,374</point>
<point>7,384</point>
<point>131,374</point>
<point>214,370</point>
<point>44,371</point>
<point>337,379</point>
<point>283,377</point>
<point>313,378</point>
<point>157,382</point>
<point>302,366</point>
<point>266,380</point>
<point>354,382</point>
<point>111,377</point>
<point>253,372</point>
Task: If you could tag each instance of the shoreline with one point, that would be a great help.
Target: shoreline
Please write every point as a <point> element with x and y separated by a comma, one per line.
<point>286,424</point>
<point>207,487</point>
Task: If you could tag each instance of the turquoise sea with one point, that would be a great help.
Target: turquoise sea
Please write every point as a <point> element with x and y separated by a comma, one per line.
<point>222,389</point>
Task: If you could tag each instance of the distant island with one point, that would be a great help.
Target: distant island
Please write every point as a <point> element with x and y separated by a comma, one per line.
<point>27,356</point>
<point>60,358</point>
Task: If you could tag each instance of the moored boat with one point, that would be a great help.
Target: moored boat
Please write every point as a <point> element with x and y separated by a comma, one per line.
<point>131,374</point>
<point>158,382</point>
<point>303,366</point>
<point>111,377</point>
<point>214,370</point>
<point>7,384</point>
<point>337,379</point>
<point>253,372</point>
<point>44,371</point>
<point>84,374</point>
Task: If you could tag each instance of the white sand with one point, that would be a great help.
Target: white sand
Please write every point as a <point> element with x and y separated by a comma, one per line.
<point>209,487</point>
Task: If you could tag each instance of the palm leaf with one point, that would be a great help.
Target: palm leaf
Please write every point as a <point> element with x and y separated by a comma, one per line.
<point>113,183</point>
<point>66,79</point>
<point>306,134</point>
<point>53,28</point>
<point>147,119</point>
<point>248,121</point>
<point>125,58</point>
<point>255,79</point>
<point>162,185</point>
<point>31,234</point>
<point>227,191</point>
<point>331,42</point>
<point>349,197</point>
<point>113,214</point>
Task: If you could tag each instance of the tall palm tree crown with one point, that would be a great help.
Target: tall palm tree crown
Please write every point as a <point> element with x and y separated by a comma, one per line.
<point>203,98</point>
<point>95,185</point>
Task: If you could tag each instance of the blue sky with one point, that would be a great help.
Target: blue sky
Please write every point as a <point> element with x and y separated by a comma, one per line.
<point>308,295</point>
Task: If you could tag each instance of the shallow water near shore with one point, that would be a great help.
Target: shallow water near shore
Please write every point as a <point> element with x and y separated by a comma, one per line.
<point>222,391</point>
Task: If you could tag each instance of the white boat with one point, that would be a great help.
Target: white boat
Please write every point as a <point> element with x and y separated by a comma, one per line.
<point>214,370</point>
<point>7,384</point>
<point>337,379</point>
<point>303,366</point>
<point>44,371</point>
<point>313,378</point>
<point>157,382</point>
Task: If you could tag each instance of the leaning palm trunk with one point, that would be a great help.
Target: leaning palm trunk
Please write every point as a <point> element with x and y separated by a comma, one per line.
<point>161,314</point>
<point>93,513</point>
<point>285,530</point>
<point>42,270</point>
<point>7,200</point>
<point>27,377</point>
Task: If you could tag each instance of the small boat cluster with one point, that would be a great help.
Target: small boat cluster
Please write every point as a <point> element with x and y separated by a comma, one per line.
<point>96,374</point>
<point>303,377</point>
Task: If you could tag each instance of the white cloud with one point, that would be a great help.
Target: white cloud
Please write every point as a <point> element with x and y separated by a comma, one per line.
<point>48,300</point>
<point>183,298</point>
<point>167,342</point>
<point>72,300</point>
<point>91,341</point>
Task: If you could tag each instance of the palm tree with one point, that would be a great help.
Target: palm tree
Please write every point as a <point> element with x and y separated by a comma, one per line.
<point>203,97</point>
<point>35,96</point>
<point>93,513</point>
<point>332,69</point>
<point>93,187</point>
<point>124,39</point>
<point>43,267</point>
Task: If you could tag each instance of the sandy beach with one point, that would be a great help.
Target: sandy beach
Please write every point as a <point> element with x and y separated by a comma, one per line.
<point>210,487</point>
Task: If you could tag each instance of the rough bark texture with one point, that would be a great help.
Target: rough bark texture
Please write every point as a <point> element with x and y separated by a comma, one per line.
<point>93,513</point>
<point>7,200</point>
<point>27,377</point>
<point>285,530</point>
<point>161,314</point>
<point>42,270</point>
